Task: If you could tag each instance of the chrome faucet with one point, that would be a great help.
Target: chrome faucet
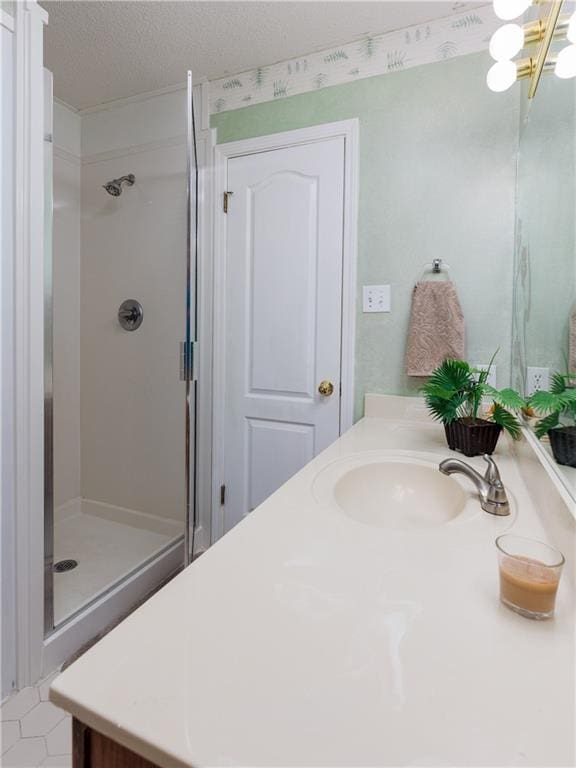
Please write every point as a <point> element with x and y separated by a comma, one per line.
<point>493,497</point>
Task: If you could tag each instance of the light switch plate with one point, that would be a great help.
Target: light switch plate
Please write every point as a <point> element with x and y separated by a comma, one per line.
<point>376,298</point>
<point>493,377</point>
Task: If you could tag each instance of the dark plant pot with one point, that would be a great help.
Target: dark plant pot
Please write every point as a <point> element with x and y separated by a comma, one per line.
<point>563,442</point>
<point>472,437</point>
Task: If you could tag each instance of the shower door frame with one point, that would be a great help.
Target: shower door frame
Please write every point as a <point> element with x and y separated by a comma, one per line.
<point>190,342</point>
<point>190,397</point>
<point>51,629</point>
<point>48,359</point>
<point>194,188</point>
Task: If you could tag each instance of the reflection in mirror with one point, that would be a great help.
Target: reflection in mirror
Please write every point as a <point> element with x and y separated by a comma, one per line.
<point>544,344</point>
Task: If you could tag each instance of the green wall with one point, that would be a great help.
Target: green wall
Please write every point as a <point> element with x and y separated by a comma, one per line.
<point>437,179</point>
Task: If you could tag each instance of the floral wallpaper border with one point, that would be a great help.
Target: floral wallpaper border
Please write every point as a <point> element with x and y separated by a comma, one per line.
<point>462,33</point>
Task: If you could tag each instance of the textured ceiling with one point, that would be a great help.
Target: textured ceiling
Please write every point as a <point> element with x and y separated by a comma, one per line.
<point>101,51</point>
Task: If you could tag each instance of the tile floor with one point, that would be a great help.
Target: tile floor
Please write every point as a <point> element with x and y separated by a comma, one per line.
<point>105,550</point>
<point>34,732</point>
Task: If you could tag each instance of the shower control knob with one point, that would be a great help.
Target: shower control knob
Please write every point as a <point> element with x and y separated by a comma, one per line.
<point>130,314</point>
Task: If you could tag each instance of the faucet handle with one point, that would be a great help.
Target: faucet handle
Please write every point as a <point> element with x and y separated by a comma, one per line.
<point>492,475</point>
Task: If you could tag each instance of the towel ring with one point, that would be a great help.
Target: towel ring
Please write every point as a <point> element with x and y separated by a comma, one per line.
<point>436,267</point>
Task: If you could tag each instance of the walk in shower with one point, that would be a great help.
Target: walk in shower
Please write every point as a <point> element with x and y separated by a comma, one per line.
<point>120,320</point>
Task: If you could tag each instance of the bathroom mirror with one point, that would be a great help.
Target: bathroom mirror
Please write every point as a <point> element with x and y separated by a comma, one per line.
<point>544,337</point>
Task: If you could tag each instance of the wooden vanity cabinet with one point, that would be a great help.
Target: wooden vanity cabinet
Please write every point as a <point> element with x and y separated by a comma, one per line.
<point>91,749</point>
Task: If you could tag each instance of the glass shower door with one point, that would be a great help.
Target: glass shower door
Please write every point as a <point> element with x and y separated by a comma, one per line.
<point>120,476</point>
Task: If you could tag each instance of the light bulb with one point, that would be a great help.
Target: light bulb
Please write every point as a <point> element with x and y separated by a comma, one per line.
<point>506,42</point>
<point>501,76</point>
<point>571,34</point>
<point>510,9</point>
<point>566,63</point>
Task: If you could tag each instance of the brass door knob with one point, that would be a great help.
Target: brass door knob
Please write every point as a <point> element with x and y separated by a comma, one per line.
<point>326,388</point>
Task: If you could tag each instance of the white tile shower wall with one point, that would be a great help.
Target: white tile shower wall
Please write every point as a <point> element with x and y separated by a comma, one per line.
<point>66,129</point>
<point>129,450</point>
<point>132,401</point>
<point>133,124</point>
<point>67,310</point>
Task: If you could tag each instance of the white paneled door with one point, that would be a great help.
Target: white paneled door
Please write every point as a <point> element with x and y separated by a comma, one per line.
<point>283,316</point>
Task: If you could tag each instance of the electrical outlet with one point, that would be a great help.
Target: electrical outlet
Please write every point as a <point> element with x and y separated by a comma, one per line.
<point>492,378</point>
<point>376,298</point>
<point>536,379</point>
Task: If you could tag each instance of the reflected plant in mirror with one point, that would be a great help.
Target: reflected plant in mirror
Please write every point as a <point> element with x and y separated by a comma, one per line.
<point>558,406</point>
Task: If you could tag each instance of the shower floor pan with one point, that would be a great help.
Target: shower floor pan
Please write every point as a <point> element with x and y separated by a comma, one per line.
<point>108,542</point>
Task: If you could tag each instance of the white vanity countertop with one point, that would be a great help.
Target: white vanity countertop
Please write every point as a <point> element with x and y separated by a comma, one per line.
<point>305,638</point>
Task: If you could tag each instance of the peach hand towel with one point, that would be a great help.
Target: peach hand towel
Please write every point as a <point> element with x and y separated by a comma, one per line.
<point>436,327</point>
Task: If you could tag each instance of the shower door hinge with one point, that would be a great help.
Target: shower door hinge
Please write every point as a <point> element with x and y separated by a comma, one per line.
<point>222,495</point>
<point>188,361</point>
<point>225,199</point>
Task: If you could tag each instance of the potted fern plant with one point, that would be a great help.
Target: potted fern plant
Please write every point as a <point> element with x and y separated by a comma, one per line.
<point>558,406</point>
<point>455,394</point>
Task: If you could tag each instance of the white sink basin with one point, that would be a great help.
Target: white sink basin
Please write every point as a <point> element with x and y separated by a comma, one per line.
<point>396,493</point>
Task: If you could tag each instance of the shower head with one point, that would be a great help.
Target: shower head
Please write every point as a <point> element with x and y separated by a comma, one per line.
<point>114,187</point>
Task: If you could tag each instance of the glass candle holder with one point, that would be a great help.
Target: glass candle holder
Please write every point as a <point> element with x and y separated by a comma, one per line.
<point>529,575</point>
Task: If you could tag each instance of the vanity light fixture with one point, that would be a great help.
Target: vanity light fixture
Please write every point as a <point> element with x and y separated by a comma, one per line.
<point>506,42</point>
<point>566,63</point>
<point>511,9</point>
<point>510,39</point>
<point>503,74</point>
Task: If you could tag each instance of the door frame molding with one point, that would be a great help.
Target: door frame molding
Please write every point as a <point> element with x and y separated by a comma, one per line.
<point>223,153</point>
<point>28,338</point>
